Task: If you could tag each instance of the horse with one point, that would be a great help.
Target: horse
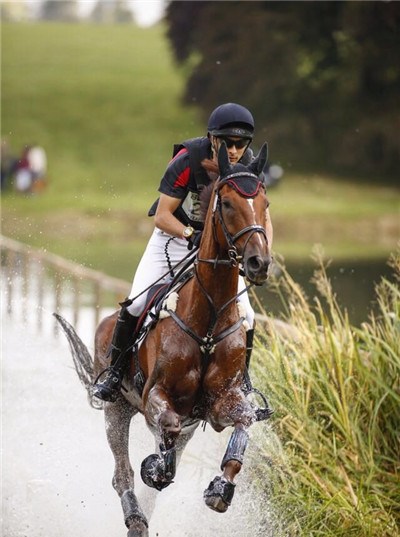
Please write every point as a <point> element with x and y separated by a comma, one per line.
<point>192,360</point>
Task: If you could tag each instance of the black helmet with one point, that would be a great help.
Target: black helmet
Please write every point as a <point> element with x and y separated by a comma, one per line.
<point>231,119</point>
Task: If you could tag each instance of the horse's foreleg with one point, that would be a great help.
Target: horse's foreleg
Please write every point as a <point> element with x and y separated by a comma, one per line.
<point>158,470</point>
<point>161,415</point>
<point>118,417</point>
<point>233,459</point>
<point>219,493</point>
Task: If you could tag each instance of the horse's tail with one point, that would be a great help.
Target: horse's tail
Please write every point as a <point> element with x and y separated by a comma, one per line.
<point>83,361</point>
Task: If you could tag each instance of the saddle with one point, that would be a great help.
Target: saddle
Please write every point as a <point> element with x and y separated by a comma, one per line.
<point>155,299</point>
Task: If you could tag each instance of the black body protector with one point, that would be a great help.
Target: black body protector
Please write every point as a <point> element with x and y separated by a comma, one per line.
<point>198,149</point>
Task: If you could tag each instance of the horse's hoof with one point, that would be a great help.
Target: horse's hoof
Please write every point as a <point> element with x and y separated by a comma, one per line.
<point>152,470</point>
<point>219,493</point>
<point>216,504</point>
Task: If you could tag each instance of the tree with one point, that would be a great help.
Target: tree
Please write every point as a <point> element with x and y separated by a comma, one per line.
<point>61,10</point>
<point>321,76</point>
<point>16,11</point>
<point>111,11</point>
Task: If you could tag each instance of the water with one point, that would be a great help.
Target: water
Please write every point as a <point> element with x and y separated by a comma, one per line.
<point>57,466</point>
<point>352,281</point>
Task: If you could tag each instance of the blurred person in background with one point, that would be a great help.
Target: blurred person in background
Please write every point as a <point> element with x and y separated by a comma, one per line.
<point>23,175</point>
<point>37,160</point>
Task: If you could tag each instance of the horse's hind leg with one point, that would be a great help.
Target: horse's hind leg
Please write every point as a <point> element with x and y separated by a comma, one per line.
<point>118,417</point>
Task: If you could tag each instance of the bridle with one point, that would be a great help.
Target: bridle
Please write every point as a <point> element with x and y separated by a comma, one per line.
<point>207,343</point>
<point>233,257</point>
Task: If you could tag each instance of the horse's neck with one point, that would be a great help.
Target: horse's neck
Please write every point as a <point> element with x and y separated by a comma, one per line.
<point>218,281</point>
<point>215,282</point>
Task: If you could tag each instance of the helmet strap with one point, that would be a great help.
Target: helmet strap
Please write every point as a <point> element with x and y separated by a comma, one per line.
<point>245,149</point>
<point>214,146</point>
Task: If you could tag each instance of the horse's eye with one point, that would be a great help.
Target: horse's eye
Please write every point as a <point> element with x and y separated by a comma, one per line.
<point>226,204</point>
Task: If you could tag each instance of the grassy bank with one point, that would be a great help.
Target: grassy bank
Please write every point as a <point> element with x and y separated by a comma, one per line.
<point>336,390</point>
<point>104,101</point>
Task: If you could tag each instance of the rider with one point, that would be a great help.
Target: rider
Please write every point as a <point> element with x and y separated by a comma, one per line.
<point>178,228</point>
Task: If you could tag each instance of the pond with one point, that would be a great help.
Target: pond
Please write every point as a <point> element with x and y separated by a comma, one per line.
<point>352,281</point>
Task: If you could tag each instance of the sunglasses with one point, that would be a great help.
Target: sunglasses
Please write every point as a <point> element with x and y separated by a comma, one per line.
<point>239,144</point>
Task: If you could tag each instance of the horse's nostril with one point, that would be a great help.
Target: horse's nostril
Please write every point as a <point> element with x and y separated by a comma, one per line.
<point>257,266</point>
<point>254,263</point>
<point>257,263</point>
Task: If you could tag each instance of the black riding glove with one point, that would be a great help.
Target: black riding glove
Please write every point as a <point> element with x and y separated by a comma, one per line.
<point>194,240</point>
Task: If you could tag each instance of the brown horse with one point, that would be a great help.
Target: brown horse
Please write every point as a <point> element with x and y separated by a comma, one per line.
<point>193,360</point>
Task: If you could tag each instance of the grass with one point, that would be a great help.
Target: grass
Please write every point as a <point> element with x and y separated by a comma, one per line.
<point>105,103</point>
<point>336,391</point>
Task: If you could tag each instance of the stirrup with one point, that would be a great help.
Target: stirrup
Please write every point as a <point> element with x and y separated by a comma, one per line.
<point>263,412</point>
<point>108,389</point>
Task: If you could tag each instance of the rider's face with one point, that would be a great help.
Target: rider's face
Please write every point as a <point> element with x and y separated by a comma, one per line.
<point>234,153</point>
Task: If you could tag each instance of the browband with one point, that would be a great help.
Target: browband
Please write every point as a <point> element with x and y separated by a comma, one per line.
<point>240,174</point>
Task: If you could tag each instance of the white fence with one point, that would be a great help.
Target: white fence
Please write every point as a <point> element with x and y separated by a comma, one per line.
<point>53,283</point>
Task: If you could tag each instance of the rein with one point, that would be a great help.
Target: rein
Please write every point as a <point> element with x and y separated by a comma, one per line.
<point>207,344</point>
<point>186,262</point>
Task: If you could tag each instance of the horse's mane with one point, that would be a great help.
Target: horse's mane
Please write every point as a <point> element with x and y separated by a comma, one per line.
<point>212,169</point>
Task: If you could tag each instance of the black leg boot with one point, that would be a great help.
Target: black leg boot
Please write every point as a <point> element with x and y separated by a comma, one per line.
<point>108,388</point>
<point>265,412</point>
<point>247,386</point>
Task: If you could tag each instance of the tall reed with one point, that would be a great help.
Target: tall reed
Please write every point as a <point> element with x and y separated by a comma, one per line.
<point>335,470</point>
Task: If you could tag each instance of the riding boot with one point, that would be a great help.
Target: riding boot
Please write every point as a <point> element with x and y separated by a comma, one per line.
<point>247,386</point>
<point>261,412</point>
<point>123,339</point>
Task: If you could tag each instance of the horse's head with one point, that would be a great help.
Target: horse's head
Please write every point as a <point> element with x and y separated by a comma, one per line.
<point>240,208</point>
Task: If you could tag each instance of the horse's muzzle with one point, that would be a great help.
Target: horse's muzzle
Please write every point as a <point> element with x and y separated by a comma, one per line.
<point>256,268</point>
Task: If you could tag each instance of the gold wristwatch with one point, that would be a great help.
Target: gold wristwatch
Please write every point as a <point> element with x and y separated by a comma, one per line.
<point>187,232</point>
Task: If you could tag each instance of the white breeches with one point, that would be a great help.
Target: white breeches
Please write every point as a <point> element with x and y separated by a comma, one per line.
<point>154,264</point>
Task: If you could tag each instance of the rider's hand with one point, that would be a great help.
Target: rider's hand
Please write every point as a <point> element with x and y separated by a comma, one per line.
<point>194,240</point>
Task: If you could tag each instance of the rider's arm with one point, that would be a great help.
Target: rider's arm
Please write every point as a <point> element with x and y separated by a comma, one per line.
<point>173,189</point>
<point>268,228</point>
<point>164,218</point>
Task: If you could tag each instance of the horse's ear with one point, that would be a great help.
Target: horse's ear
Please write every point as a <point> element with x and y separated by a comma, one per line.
<point>259,163</point>
<point>223,160</point>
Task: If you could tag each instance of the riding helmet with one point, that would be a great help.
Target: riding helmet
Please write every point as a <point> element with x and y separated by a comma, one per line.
<point>231,119</point>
